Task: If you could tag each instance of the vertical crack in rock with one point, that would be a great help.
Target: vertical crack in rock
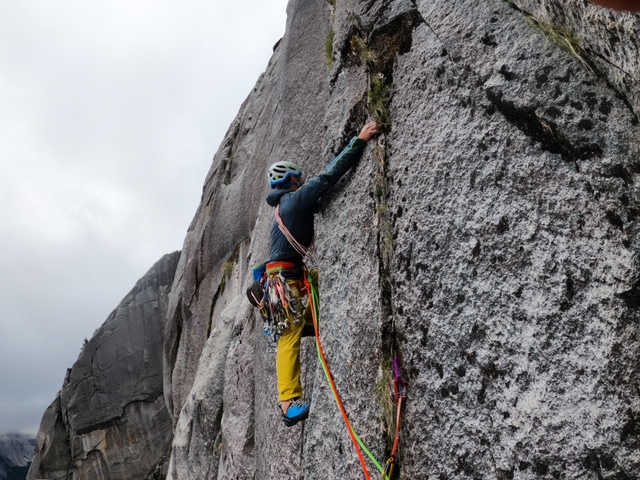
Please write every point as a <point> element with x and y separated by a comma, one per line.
<point>385,241</point>
<point>378,52</point>
<point>393,38</point>
<point>234,142</point>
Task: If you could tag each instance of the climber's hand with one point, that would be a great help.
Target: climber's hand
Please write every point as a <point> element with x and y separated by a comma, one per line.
<point>368,131</point>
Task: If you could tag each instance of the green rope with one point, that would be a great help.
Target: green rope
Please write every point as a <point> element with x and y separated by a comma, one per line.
<point>315,301</point>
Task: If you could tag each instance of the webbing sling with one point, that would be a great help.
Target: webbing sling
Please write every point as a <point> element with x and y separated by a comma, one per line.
<point>298,247</point>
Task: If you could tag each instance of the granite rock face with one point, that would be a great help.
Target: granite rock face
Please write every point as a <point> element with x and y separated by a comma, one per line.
<point>110,421</point>
<point>16,453</point>
<point>493,226</point>
<point>491,234</point>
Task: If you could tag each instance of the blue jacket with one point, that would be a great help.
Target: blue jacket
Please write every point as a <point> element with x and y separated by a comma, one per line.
<point>297,208</point>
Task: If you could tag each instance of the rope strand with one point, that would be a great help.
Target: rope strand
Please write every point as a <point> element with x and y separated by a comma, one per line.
<point>358,444</point>
<point>301,249</point>
<point>327,371</point>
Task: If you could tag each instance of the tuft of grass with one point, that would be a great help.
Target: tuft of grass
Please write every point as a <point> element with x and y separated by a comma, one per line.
<point>566,39</point>
<point>360,50</point>
<point>228,266</point>
<point>379,97</point>
<point>328,47</point>
<point>379,187</point>
<point>378,153</point>
<point>385,400</point>
<point>380,182</point>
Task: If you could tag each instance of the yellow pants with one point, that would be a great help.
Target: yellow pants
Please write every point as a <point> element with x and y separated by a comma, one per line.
<point>288,351</point>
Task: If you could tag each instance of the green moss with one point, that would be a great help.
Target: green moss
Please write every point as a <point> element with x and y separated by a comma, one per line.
<point>228,163</point>
<point>379,187</point>
<point>227,270</point>
<point>361,50</point>
<point>385,400</point>
<point>379,97</point>
<point>229,264</point>
<point>328,47</point>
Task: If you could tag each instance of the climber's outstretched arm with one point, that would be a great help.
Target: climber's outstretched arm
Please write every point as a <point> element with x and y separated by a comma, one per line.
<point>307,196</point>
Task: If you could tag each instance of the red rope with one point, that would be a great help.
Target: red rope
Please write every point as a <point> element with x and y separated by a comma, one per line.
<point>399,394</point>
<point>396,441</point>
<point>303,251</point>
<point>332,383</point>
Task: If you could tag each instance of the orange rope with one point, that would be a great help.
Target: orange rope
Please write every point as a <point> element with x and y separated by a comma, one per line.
<point>303,251</point>
<point>330,377</point>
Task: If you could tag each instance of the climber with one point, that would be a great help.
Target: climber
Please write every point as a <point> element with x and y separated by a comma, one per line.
<point>624,5</point>
<point>296,202</point>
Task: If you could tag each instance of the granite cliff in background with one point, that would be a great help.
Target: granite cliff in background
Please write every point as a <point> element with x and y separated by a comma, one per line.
<point>109,421</point>
<point>16,453</point>
<point>494,226</point>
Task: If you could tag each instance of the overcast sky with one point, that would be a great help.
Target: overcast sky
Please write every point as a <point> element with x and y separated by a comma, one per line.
<point>110,113</point>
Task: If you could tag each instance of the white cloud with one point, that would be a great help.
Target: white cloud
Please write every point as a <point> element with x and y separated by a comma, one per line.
<point>111,113</point>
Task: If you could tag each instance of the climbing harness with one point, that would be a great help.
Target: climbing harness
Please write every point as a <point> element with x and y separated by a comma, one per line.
<point>271,292</point>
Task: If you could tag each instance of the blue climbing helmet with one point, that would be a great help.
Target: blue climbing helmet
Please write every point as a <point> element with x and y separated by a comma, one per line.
<point>280,172</point>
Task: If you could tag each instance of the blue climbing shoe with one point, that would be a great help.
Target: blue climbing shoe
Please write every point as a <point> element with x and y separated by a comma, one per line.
<point>296,412</point>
